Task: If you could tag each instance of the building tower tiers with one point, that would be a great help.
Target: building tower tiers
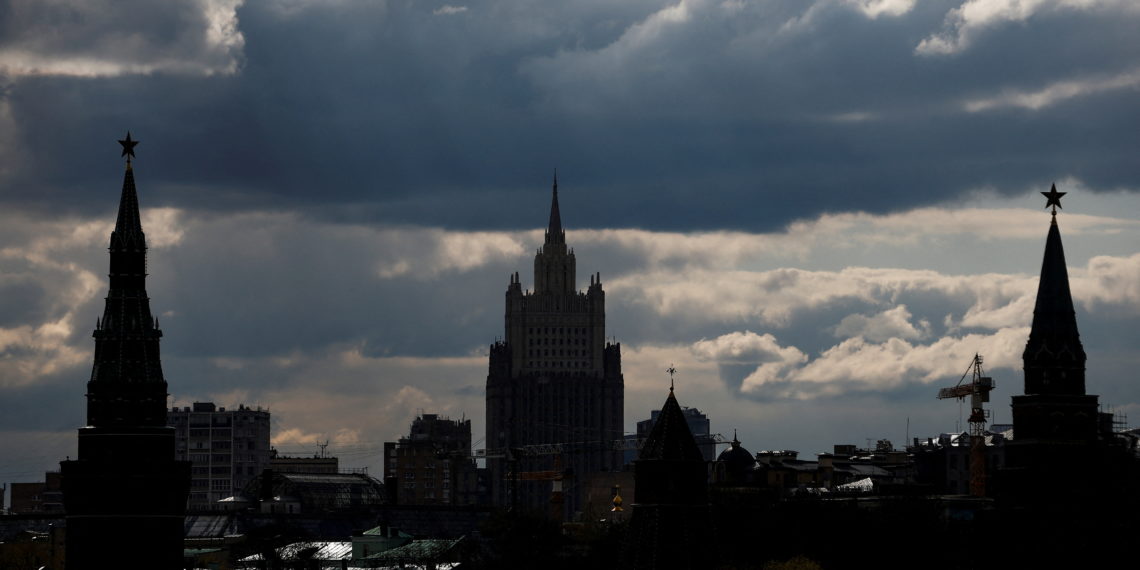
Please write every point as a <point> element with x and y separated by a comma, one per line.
<point>1055,408</point>
<point>125,477</point>
<point>553,378</point>
<point>1055,417</point>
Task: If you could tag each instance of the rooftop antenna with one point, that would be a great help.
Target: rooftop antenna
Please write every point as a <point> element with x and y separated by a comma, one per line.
<point>323,446</point>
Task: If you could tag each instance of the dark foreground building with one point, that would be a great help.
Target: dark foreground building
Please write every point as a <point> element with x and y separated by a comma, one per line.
<point>670,526</point>
<point>1070,482</point>
<point>553,380</point>
<point>126,482</point>
<point>1055,418</point>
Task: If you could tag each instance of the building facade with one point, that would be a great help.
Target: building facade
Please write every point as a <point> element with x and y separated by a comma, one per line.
<point>226,449</point>
<point>553,379</point>
<point>433,464</point>
<point>315,465</point>
<point>40,497</point>
<point>125,476</point>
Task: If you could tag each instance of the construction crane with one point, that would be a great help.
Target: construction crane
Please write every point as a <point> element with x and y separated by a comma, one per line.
<point>978,389</point>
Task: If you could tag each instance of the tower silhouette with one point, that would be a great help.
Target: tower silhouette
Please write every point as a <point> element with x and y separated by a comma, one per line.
<point>125,484</point>
<point>553,379</point>
<point>670,526</point>
<point>1055,418</point>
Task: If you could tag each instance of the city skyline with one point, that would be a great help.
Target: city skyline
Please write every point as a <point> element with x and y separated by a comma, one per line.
<point>815,267</point>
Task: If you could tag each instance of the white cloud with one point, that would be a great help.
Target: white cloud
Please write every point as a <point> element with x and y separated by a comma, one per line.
<point>440,251</point>
<point>449,10</point>
<point>1111,281</point>
<point>1054,93</point>
<point>100,38</point>
<point>746,348</point>
<point>875,8</point>
<point>856,365</point>
<point>772,298</point>
<point>892,323</point>
<point>805,239</point>
<point>973,17</point>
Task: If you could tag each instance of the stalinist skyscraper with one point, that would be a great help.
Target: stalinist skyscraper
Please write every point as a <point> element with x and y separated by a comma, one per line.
<point>553,379</point>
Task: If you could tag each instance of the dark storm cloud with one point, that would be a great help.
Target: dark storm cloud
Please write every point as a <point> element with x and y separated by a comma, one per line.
<point>689,115</point>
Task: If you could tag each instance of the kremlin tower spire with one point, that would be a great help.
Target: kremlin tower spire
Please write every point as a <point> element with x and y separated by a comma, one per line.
<point>1055,418</point>
<point>1054,358</point>
<point>125,479</point>
<point>127,386</point>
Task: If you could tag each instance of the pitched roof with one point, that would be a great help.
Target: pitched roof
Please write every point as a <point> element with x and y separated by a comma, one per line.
<point>670,439</point>
<point>1053,314</point>
<point>128,225</point>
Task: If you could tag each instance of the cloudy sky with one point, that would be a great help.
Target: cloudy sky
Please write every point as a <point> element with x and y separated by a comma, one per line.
<point>818,211</point>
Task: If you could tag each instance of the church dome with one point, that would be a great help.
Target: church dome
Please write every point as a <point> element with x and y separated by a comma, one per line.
<point>736,458</point>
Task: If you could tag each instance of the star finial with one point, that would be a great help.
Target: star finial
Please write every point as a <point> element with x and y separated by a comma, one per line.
<point>671,370</point>
<point>1054,198</point>
<point>128,147</point>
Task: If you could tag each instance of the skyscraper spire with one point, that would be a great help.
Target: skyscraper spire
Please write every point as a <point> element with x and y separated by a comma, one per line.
<point>554,231</point>
<point>1054,358</point>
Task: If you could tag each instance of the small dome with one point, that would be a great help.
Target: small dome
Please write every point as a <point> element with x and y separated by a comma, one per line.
<point>736,457</point>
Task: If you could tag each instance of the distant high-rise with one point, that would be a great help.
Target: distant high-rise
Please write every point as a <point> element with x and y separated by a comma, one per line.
<point>433,464</point>
<point>126,482</point>
<point>553,379</point>
<point>226,448</point>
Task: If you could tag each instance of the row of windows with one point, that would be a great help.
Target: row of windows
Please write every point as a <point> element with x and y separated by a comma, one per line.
<point>555,352</point>
<point>548,341</point>
<point>556,330</point>
<point>558,364</point>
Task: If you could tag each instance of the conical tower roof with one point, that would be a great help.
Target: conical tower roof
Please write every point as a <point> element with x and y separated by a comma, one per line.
<point>1053,314</point>
<point>128,230</point>
<point>1054,357</point>
<point>671,439</point>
